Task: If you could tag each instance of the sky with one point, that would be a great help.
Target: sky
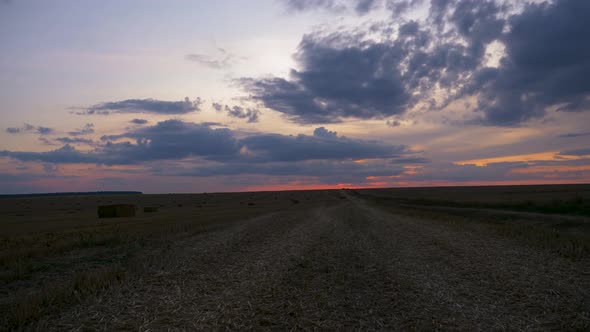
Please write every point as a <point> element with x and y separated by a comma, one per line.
<point>231,95</point>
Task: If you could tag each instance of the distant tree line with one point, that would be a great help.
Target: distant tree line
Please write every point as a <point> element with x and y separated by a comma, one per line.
<point>86,193</point>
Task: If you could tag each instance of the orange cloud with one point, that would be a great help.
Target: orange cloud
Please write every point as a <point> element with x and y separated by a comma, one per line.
<point>542,156</point>
<point>551,169</point>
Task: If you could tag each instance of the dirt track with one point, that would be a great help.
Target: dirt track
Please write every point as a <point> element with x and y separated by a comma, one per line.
<point>349,266</point>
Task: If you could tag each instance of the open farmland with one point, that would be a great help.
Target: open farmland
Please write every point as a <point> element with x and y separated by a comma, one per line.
<point>419,258</point>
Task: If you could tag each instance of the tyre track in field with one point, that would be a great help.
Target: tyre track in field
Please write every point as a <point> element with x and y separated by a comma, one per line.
<point>343,267</point>
<point>207,279</point>
<point>464,279</point>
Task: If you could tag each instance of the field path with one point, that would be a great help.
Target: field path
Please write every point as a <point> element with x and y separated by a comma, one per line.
<point>348,266</point>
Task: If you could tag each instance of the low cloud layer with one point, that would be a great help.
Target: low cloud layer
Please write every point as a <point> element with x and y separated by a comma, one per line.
<point>85,130</point>
<point>28,128</point>
<point>176,140</point>
<point>152,106</point>
<point>75,140</point>
<point>139,121</point>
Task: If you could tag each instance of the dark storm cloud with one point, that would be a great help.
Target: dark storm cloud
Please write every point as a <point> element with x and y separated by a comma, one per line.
<point>217,107</point>
<point>398,7</point>
<point>364,6</point>
<point>64,155</point>
<point>85,130</point>
<point>243,113</point>
<point>144,106</point>
<point>410,28</point>
<point>546,65</point>
<point>336,82</point>
<point>323,132</point>
<point>171,139</point>
<point>178,148</point>
<point>444,51</point>
<point>275,147</point>
<point>345,75</point>
<point>175,140</point>
<point>139,121</point>
<point>251,114</point>
<point>479,22</point>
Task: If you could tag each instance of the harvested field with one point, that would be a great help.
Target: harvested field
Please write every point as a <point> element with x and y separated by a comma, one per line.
<point>116,211</point>
<point>341,259</point>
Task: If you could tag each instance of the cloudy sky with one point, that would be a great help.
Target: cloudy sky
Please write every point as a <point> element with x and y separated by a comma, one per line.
<point>232,95</point>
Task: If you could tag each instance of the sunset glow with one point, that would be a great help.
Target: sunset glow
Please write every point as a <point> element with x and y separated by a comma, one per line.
<point>274,94</point>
